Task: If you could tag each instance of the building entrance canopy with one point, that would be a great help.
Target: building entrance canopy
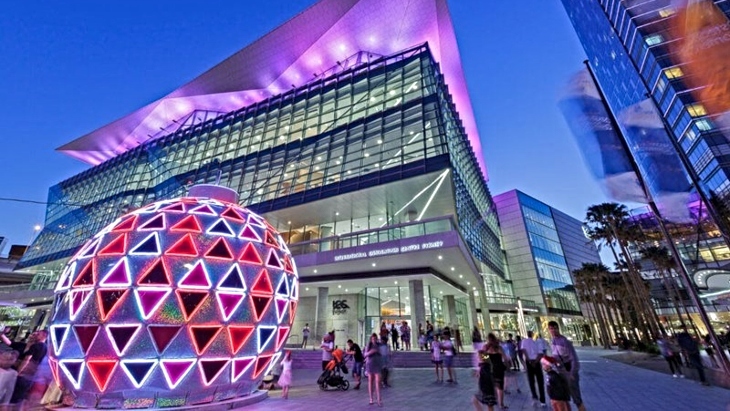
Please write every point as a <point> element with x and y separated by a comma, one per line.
<point>442,255</point>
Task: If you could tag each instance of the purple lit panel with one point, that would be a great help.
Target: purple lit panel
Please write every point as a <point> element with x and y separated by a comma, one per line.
<point>311,42</point>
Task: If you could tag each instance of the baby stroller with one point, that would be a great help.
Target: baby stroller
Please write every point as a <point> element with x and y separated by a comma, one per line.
<point>332,375</point>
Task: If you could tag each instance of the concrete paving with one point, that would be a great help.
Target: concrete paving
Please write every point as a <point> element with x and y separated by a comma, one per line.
<point>606,385</point>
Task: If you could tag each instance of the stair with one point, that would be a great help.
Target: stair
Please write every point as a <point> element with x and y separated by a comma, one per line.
<point>312,359</point>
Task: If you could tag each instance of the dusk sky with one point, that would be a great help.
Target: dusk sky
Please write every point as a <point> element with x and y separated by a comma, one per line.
<point>71,67</point>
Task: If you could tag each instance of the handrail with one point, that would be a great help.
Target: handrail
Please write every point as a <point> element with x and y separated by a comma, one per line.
<point>40,285</point>
<point>391,232</point>
<point>508,300</point>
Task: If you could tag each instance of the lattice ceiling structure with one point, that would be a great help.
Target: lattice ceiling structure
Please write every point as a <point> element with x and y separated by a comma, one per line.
<point>182,302</point>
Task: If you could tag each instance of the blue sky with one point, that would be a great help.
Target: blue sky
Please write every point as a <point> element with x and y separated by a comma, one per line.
<point>71,67</point>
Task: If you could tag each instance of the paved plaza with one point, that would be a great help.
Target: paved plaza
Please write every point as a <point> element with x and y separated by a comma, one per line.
<point>607,385</point>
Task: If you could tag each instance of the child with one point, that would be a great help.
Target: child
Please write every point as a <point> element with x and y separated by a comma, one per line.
<point>422,341</point>
<point>436,360</point>
<point>556,385</point>
<point>285,377</point>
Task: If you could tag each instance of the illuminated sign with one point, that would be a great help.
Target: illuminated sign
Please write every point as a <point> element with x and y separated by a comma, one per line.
<point>390,250</point>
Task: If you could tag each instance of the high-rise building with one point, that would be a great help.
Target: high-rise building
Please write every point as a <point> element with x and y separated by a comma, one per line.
<point>349,128</point>
<point>630,51</point>
<point>543,247</point>
<point>661,68</point>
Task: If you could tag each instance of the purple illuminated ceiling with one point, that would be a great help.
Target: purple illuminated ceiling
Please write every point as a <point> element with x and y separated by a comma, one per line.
<point>311,42</point>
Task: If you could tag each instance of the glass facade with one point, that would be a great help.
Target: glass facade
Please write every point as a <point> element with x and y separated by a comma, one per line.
<point>630,51</point>
<point>555,280</point>
<point>382,122</point>
<point>392,304</point>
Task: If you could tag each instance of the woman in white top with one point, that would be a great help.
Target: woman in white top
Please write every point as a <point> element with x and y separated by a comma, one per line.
<point>373,366</point>
<point>448,347</point>
<point>285,377</point>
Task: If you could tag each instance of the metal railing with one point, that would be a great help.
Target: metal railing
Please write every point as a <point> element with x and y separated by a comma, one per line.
<point>34,286</point>
<point>508,300</point>
<point>374,236</point>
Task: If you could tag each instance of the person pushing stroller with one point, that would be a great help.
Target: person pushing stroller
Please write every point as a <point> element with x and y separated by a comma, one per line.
<point>332,374</point>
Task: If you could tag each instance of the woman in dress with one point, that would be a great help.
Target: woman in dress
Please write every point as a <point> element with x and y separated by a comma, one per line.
<point>485,389</point>
<point>498,359</point>
<point>285,377</point>
<point>373,367</point>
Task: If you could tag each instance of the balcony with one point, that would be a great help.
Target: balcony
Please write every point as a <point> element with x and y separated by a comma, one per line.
<point>374,236</point>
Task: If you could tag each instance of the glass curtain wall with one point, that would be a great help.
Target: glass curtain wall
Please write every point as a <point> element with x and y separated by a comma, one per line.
<point>366,119</point>
<point>555,279</point>
<point>392,304</point>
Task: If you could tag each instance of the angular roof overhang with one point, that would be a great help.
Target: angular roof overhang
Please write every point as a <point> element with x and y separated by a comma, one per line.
<point>290,55</point>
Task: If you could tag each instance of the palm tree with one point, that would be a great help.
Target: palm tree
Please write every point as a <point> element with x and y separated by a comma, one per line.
<point>664,263</point>
<point>608,222</point>
<point>589,283</point>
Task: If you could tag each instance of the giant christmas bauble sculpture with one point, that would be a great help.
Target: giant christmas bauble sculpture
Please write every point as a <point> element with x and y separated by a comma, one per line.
<point>184,301</point>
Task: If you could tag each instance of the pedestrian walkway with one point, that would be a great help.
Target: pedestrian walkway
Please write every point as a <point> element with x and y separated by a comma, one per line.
<point>606,385</point>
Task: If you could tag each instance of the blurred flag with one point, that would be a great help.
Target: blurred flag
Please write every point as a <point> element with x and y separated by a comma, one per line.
<point>599,142</point>
<point>701,45</point>
<point>656,157</point>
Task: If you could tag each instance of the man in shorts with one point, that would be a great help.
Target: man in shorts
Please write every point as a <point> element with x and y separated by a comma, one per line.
<point>564,353</point>
<point>354,350</point>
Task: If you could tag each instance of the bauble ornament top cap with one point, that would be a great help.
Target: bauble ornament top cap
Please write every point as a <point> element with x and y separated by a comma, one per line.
<point>215,192</point>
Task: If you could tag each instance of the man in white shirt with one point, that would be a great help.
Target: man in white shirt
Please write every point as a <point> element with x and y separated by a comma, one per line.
<point>533,352</point>
<point>564,352</point>
<point>327,347</point>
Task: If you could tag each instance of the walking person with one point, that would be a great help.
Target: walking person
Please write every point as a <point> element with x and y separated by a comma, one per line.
<point>533,354</point>
<point>385,365</point>
<point>520,353</point>
<point>373,368</point>
<point>394,337</point>
<point>28,368</point>
<point>457,340</point>
<point>670,354</point>
<point>429,334</point>
<point>405,336</point>
<point>437,361</point>
<point>564,352</point>
<point>500,361</point>
<point>710,350</point>
<point>477,344</point>
<point>285,377</point>
<point>485,388</point>
<point>447,346</point>
<point>510,349</point>
<point>358,360</point>
<point>8,375</point>
<point>692,352</point>
<point>305,335</point>
<point>327,347</point>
